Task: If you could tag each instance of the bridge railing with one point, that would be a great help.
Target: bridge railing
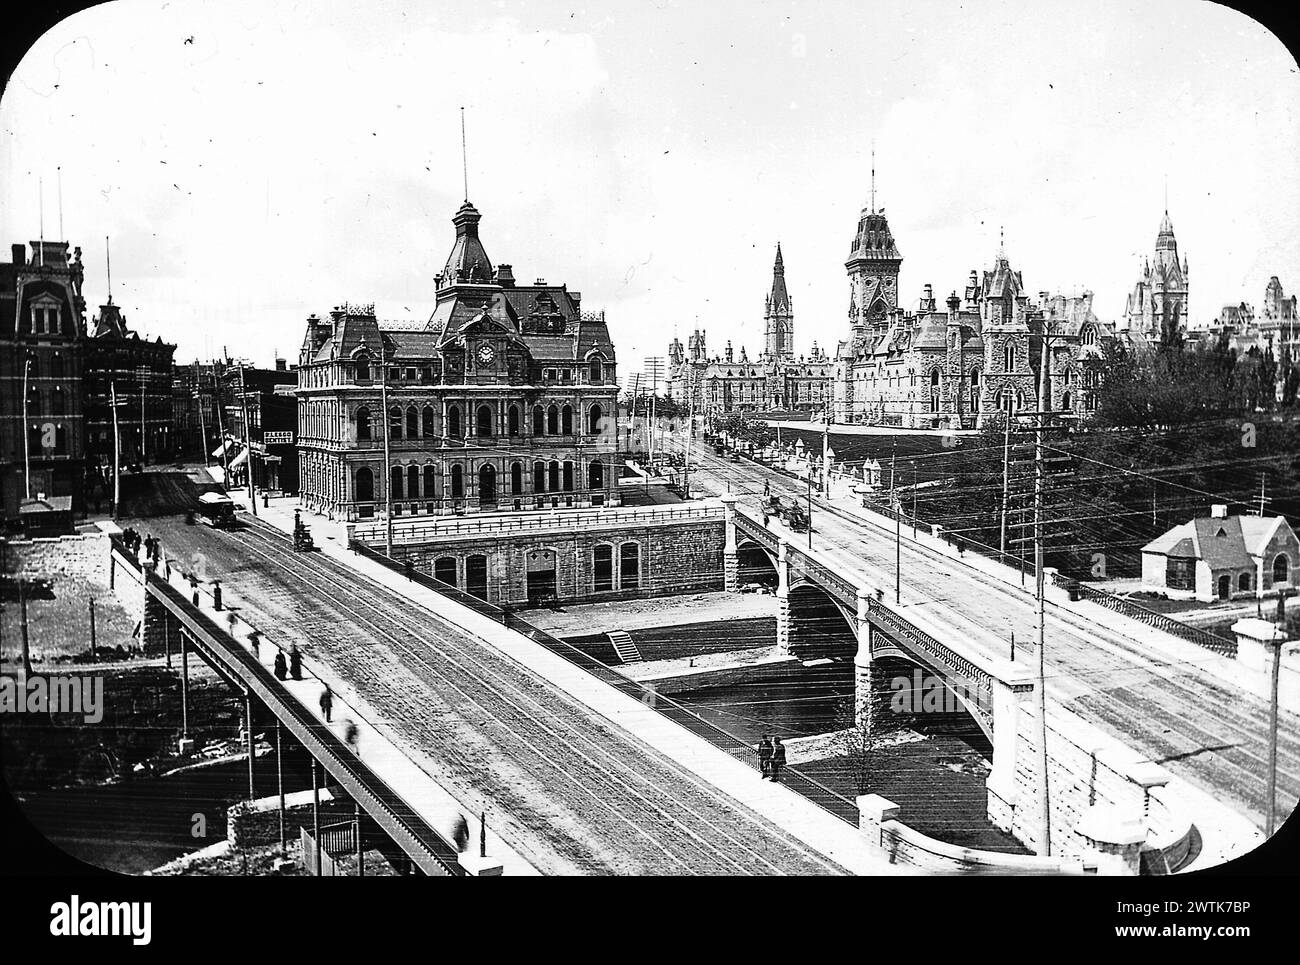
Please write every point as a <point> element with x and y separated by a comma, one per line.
<point>821,795</point>
<point>1224,646</point>
<point>544,519</point>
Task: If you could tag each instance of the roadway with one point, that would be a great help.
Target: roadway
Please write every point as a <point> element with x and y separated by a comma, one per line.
<point>569,790</point>
<point>1207,732</point>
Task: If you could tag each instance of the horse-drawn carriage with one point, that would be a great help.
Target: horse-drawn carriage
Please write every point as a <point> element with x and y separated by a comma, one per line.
<point>790,512</point>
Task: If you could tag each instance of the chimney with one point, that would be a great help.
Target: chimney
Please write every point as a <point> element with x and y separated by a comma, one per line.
<point>281,365</point>
<point>19,254</point>
<point>1219,511</point>
<point>505,276</point>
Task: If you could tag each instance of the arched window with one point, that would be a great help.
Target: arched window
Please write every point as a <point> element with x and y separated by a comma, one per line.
<point>56,366</point>
<point>483,421</point>
<point>594,372</point>
<point>412,423</point>
<point>516,478</point>
<point>974,389</point>
<point>629,566</point>
<point>395,423</point>
<point>566,420</point>
<point>395,490</point>
<point>365,488</point>
<point>602,567</point>
<point>1281,568</point>
<point>539,421</point>
<point>553,476</point>
<point>1009,357</point>
<point>487,484</point>
<point>56,401</point>
<point>430,481</point>
<point>512,420</point>
<point>363,370</point>
<point>595,475</point>
<point>1089,336</point>
<point>539,477</point>
<point>413,482</point>
<point>363,424</point>
<point>457,482</point>
<point>426,423</point>
<point>453,421</point>
<point>594,416</point>
<point>1020,400</point>
<point>553,420</point>
<point>568,476</point>
<point>1243,582</point>
<point>1065,401</point>
<point>444,570</point>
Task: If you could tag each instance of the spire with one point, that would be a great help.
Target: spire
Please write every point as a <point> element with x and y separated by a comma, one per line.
<point>464,155</point>
<point>873,176</point>
<point>778,302</point>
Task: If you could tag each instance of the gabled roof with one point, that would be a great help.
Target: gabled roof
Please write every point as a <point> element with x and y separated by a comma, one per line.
<point>1223,543</point>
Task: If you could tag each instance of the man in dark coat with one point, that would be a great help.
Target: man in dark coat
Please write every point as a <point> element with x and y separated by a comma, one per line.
<point>281,669</point>
<point>765,756</point>
<point>326,703</point>
<point>778,759</point>
<point>295,662</point>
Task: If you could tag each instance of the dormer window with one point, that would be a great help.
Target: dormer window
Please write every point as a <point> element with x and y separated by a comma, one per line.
<point>363,370</point>
<point>46,318</point>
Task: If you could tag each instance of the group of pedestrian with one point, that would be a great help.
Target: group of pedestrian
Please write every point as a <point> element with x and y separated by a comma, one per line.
<point>771,757</point>
<point>290,668</point>
<point>131,540</point>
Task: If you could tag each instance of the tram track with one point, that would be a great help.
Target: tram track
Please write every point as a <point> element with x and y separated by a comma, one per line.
<point>674,831</point>
<point>1233,752</point>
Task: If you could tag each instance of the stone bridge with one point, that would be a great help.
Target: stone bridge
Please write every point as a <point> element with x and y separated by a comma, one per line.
<point>823,612</point>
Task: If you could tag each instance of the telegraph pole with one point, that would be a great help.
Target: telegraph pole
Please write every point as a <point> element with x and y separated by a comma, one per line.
<point>27,435</point>
<point>898,526</point>
<point>1006,482</point>
<point>117,449</point>
<point>388,472</point>
<point>248,438</point>
<point>690,431</point>
<point>140,372</point>
<point>1045,813</point>
<point>221,431</point>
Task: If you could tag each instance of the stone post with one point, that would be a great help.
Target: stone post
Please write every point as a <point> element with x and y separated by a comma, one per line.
<point>863,692</point>
<point>783,597</point>
<point>1112,839</point>
<point>1013,688</point>
<point>730,558</point>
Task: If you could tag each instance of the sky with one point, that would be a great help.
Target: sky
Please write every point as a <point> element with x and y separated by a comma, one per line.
<point>256,162</point>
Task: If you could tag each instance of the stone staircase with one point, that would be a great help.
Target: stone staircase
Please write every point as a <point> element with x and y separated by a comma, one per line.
<point>624,646</point>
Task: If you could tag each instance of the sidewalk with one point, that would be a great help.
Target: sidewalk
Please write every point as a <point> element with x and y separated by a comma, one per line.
<point>815,827</point>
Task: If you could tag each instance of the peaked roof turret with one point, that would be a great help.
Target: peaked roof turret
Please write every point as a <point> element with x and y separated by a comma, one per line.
<point>468,261</point>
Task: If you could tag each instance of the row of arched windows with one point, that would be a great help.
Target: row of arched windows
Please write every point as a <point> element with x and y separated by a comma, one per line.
<point>421,482</point>
<point>414,423</point>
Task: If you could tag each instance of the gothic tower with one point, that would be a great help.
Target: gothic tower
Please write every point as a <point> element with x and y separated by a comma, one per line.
<point>778,317</point>
<point>1157,306</point>
<point>873,274</point>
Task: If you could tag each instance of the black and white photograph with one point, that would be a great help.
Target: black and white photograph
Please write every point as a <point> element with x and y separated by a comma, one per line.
<point>650,439</point>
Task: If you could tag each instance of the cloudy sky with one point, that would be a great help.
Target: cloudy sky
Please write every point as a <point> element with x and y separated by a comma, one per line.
<point>256,162</point>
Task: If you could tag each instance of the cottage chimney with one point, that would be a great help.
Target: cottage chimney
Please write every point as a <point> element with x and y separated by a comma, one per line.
<point>1219,511</point>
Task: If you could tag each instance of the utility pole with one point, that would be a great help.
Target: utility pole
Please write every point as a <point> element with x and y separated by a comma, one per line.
<point>826,448</point>
<point>203,428</point>
<point>92,628</point>
<point>1271,819</point>
<point>117,450</point>
<point>221,430</point>
<point>810,507</point>
<point>898,526</point>
<point>1045,813</point>
<point>140,372</point>
<point>27,435</point>
<point>388,472</point>
<point>1006,483</point>
<point>248,439</point>
<point>690,431</point>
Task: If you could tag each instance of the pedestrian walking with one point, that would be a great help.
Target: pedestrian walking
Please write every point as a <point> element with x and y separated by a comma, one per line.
<point>326,703</point>
<point>281,669</point>
<point>778,759</point>
<point>460,833</point>
<point>352,734</point>
<point>295,662</point>
<point>765,756</point>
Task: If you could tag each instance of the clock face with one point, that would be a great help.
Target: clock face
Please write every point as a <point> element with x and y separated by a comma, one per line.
<point>486,354</point>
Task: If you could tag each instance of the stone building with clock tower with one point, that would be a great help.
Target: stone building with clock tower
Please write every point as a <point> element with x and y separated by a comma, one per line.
<point>504,400</point>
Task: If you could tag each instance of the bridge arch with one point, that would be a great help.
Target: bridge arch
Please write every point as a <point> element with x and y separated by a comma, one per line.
<point>906,691</point>
<point>755,564</point>
<point>819,625</point>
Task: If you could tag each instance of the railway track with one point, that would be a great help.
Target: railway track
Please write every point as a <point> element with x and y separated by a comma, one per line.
<point>665,817</point>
